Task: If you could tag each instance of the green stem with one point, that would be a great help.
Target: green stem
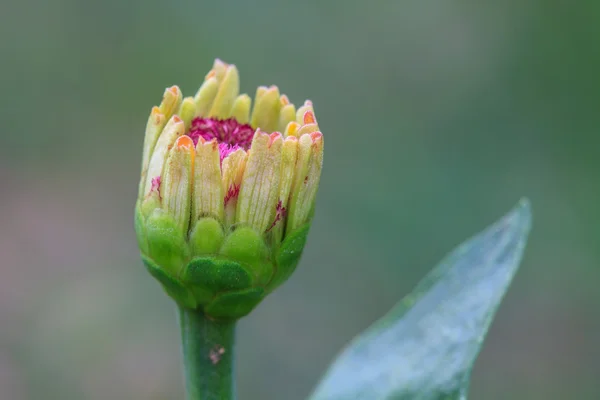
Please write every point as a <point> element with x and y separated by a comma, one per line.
<point>207,347</point>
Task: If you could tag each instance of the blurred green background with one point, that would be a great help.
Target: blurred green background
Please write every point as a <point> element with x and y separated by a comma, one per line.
<point>438,116</point>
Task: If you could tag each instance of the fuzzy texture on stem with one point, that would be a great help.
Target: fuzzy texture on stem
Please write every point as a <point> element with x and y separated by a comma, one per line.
<point>207,347</point>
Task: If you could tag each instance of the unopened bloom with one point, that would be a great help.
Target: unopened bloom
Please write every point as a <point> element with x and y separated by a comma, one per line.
<point>227,192</point>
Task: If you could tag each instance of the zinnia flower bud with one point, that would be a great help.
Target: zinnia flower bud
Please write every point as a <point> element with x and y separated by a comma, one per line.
<point>227,192</point>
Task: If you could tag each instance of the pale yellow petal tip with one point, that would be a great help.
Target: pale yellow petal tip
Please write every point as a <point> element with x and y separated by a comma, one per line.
<point>273,93</point>
<point>274,137</point>
<point>211,74</point>
<point>259,132</point>
<point>171,96</point>
<point>267,106</point>
<point>284,100</point>
<point>260,142</point>
<point>212,144</point>
<point>184,142</point>
<point>212,78</point>
<point>156,116</point>
<point>306,107</point>
<point>317,140</point>
<point>175,123</point>
<point>219,63</point>
<point>309,118</point>
<point>171,100</point>
<point>218,67</point>
<point>229,87</point>
<point>261,90</point>
<point>292,129</point>
<point>235,154</point>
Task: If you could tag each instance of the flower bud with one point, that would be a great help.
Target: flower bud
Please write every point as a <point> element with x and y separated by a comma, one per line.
<point>226,200</point>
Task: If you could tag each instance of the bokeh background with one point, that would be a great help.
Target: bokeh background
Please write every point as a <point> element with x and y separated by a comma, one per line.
<point>438,117</point>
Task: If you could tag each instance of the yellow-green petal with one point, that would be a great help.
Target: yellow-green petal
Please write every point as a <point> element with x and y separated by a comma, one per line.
<point>207,199</point>
<point>205,96</point>
<point>186,111</point>
<point>289,157</point>
<point>229,88</point>
<point>286,115</point>
<point>306,180</point>
<point>154,127</point>
<point>176,187</point>
<point>259,190</point>
<point>233,171</point>
<point>265,115</point>
<point>241,108</point>
<point>174,128</point>
<point>171,101</point>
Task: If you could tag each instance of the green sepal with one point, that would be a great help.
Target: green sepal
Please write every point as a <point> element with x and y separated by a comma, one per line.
<point>288,255</point>
<point>172,286</point>
<point>247,247</point>
<point>215,276</point>
<point>140,230</point>
<point>166,242</point>
<point>236,304</point>
<point>202,295</point>
<point>206,237</point>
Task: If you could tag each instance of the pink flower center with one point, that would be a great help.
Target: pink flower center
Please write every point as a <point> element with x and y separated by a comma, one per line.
<point>230,134</point>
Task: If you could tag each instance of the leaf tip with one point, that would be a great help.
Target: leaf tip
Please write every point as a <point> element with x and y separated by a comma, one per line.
<point>524,207</point>
<point>520,217</point>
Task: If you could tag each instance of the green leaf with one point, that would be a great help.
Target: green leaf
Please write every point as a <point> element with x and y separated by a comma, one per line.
<point>425,347</point>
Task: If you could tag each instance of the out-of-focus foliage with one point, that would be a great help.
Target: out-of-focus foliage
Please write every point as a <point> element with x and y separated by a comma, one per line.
<point>437,116</point>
